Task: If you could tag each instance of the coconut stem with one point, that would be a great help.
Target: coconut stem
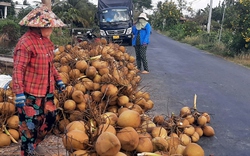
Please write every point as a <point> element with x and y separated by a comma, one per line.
<point>195,99</point>
<point>8,133</point>
<point>92,126</point>
<point>64,117</point>
<point>147,154</point>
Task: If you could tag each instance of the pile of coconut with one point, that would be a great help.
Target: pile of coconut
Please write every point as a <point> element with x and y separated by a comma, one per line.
<point>104,112</point>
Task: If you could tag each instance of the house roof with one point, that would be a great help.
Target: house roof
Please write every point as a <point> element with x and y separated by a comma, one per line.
<point>5,4</point>
<point>20,6</point>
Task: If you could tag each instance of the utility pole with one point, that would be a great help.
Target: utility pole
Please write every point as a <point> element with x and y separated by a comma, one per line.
<point>221,27</point>
<point>164,23</point>
<point>210,16</point>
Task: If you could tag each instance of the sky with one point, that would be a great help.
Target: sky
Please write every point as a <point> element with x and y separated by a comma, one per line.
<point>196,4</point>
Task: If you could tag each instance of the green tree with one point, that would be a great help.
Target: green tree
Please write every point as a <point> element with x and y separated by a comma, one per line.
<point>202,16</point>
<point>142,4</point>
<point>229,2</point>
<point>75,11</point>
<point>10,29</point>
<point>217,13</point>
<point>23,12</point>
<point>240,23</point>
<point>25,2</point>
<point>171,13</point>
<point>167,15</point>
<point>184,6</point>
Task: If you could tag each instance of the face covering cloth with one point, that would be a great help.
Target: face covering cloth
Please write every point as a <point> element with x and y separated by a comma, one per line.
<point>141,24</point>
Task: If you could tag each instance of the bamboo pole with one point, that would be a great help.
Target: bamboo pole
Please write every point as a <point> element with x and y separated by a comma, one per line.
<point>47,3</point>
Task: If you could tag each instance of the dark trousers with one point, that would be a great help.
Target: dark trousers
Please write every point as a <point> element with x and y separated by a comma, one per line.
<point>141,57</point>
<point>37,118</point>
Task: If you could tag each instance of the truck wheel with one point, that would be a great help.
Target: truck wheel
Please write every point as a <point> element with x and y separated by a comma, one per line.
<point>130,42</point>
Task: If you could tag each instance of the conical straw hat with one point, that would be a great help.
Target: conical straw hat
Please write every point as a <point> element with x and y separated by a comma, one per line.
<point>41,17</point>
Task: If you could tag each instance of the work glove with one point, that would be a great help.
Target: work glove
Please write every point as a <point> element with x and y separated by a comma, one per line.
<point>20,100</point>
<point>60,85</point>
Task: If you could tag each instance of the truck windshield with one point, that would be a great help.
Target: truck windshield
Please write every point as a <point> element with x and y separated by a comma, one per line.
<point>114,15</point>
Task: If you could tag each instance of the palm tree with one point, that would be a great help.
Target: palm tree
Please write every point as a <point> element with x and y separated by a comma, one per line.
<point>71,11</point>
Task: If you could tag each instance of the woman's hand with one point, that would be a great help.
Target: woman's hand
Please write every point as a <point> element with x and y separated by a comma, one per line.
<point>60,85</point>
<point>20,100</point>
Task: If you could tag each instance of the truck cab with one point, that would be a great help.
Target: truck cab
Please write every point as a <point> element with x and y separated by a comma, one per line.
<point>115,22</point>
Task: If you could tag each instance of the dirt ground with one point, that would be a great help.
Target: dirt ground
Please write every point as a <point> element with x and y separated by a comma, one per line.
<point>5,69</point>
<point>52,145</point>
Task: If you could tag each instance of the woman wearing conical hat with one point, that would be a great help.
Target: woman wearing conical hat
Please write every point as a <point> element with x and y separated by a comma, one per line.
<point>35,78</point>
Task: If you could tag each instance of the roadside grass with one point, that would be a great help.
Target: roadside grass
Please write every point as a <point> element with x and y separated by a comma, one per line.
<point>194,41</point>
<point>216,48</point>
<point>243,59</point>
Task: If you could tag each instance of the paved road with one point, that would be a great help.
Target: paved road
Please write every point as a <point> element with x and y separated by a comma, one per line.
<point>178,71</point>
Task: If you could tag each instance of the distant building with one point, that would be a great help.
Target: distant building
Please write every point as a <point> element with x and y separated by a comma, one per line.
<point>3,9</point>
<point>19,7</point>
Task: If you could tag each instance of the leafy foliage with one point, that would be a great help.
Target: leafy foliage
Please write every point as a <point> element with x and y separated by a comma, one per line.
<point>191,28</point>
<point>147,4</point>
<point>239,24</point>
<point>166,16</point>
<point>75,11</point>
<point>10,28</point>
<point>61,36</point>
<point>234,29</point>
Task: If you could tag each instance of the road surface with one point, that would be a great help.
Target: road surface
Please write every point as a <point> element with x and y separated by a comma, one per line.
<point>179,71</point>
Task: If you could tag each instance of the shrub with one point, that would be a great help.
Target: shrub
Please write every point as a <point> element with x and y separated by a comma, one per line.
<point>191,28</point>
<point>211,37</point>
<point>227,37</point>
<point>238,44</point>
<point>177,32</point>
<point>220,48</point>
<point>183,30</point>
<point>10,28</point>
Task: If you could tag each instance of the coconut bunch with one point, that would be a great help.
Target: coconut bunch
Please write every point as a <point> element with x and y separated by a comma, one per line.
<point>160,135</point>
<point>126,133</point>
<point>7,107</point>
<point>199,120</point>
<point>176,132</point>
<point>9,131</point>
<point>6,94</point>
<point>189,122</point>
<point>104,113</point>
<point>97,75</point>
<point>180,133</point>
<point>101,82</point>
<point>8,120</point>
